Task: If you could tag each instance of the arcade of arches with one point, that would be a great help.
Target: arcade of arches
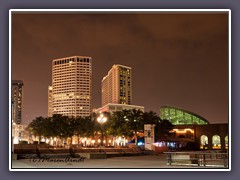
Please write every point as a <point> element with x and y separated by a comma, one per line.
<point>210,136</point>
<point>216,142</point>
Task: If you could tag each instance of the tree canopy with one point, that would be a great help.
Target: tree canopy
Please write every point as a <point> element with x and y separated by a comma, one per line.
<point>121,123</point>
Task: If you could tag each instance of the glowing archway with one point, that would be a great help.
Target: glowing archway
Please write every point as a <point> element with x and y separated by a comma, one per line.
<point>216,142</point>
<point>203,142</point>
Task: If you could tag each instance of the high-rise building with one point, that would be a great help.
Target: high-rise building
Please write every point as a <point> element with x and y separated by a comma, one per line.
<point>117,90</point>
<point>50,101</point>
<point>71,86</point>
<point>117,86</point>
<point>17,100</point>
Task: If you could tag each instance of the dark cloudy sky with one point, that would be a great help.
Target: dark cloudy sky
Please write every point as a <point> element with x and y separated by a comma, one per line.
<point>177,59</point>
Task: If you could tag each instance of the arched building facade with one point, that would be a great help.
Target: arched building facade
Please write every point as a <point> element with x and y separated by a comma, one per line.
<point>193,127</point>
<point>209,136</point>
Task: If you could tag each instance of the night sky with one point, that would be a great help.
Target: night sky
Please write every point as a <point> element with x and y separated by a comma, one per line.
<point>177,59</point>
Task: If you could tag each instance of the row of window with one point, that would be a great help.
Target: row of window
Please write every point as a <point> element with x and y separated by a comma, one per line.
<point>68,90</point>
<point>58,87</point>
<point>71,78</point>
<point>73,75</point>
<point>76,79</point>
<point>71,71</point>
<point>64,94</point>
<point>124,70</point>
<point>70,60</point>
<point>71,86</point>
<point>75,111</point>
<point>72,82</point>
<point>83,107</point>
<point>83,66</point>
<point>60,90</point>
<point>71,110</point>
<point>73,67</point>
<point>125,77</point>
<point>73,101</point>
<point>60,80</point>
<point>74,71</point>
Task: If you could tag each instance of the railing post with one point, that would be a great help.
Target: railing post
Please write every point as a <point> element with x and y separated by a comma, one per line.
<point>201,157</point>
<point>198,159</point>
<point>169,159</point>
<point>204,159</point>
<point>225,161</point>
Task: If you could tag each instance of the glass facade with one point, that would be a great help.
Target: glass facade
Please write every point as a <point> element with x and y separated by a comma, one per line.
<point>179,116</point>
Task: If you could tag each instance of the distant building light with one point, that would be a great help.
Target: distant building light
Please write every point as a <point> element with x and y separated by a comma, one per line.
<point>15,141</point>
<point>140,143</point>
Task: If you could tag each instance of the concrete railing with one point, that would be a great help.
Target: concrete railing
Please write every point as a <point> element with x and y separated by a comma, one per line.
<point>203,159</point>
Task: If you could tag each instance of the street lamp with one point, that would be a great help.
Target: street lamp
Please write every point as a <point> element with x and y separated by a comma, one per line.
<point>101,119</point>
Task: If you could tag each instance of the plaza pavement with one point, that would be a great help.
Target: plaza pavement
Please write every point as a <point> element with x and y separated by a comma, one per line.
<point>146,161</point>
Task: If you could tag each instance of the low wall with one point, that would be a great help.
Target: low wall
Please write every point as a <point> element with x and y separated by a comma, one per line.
<point>93,155</point>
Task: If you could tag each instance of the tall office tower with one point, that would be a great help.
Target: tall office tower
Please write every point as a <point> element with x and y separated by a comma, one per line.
<point>117,86</point>
<point>50,102</point>
<point>72,86</point>
<point>17,99</point>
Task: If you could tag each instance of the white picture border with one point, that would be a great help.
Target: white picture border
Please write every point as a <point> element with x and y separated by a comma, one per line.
<point>122,11</point>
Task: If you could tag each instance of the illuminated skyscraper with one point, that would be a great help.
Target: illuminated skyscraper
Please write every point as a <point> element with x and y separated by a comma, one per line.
<point>71,86</point>
<point>117,86</point>
<point>50,101</point>
<point>17,99</point>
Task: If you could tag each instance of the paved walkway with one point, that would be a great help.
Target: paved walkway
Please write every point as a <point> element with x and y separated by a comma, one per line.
<point>147,161</point>
<point>115,162</point>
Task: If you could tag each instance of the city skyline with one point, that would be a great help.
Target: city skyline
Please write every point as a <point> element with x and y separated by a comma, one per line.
<point>177,59</point>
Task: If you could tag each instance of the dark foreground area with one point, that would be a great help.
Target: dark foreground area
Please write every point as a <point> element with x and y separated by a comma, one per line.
<point>127,162</point>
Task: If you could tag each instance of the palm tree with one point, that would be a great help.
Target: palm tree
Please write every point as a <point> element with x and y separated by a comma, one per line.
<point>151,118</point>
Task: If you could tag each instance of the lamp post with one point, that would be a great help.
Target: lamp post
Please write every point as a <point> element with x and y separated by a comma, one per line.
<point>101,119</point>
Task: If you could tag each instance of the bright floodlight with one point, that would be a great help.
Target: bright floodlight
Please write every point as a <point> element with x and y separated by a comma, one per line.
<point>101,119</point>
